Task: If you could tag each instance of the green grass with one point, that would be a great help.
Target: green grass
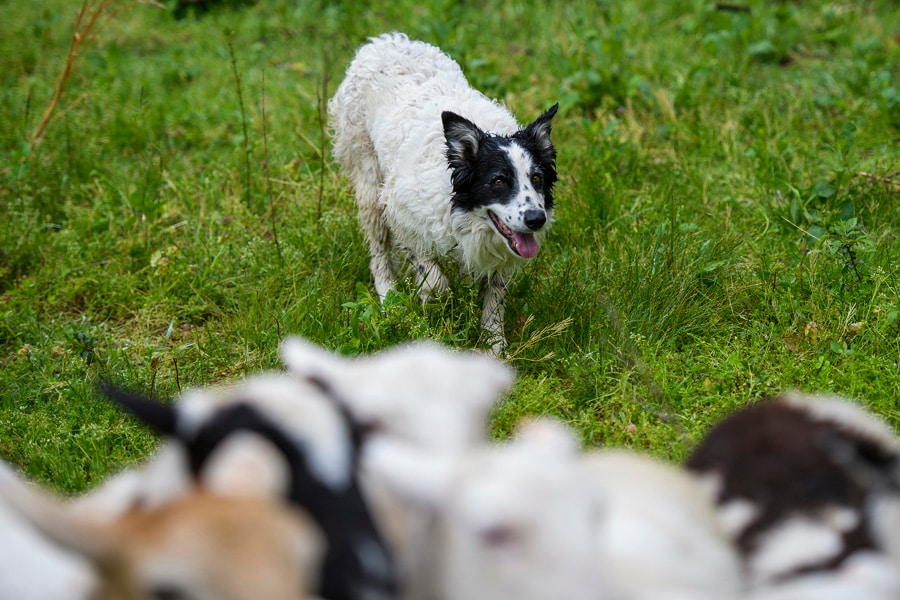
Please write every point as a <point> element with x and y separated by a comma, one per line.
<point>726,228</point>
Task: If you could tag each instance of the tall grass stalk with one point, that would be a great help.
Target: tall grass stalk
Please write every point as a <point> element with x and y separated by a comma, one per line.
<point>86,20</point>
<point>248,190</point>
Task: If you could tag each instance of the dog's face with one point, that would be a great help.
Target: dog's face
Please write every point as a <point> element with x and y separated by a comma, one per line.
<point>506,179</point>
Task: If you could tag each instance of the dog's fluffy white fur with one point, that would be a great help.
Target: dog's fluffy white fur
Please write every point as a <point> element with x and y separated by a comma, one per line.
<point>394,141</point>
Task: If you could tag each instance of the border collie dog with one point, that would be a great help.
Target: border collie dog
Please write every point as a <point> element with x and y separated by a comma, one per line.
<point>441,170</point>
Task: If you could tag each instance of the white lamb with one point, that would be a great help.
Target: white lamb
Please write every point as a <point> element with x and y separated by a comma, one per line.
<point>201,546</point>
<point>662,539</point>
<point>421,392</point>
<point>535,518</point>
<point>513,521</point>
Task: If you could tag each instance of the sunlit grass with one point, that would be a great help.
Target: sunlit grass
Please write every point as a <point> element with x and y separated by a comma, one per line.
<point>726,222</point>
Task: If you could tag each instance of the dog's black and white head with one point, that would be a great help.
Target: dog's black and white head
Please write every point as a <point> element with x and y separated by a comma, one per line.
<point>506,179</point>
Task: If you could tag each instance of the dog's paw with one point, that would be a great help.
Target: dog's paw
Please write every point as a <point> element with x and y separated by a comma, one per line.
<point>498,347</point>
<point>382,287</point>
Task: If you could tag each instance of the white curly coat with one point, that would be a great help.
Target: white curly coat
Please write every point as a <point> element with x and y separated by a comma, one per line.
<point>389,139</point>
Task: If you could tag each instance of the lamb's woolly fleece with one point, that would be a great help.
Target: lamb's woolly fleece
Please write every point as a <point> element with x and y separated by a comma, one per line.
<point>512,521</point>
<point>421,392</point>
<point>33,567</point>
<point>389,106</point>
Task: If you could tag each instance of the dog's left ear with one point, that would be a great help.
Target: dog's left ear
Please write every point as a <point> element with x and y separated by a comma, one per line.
<point>463,139</point>
<point>538,132</point>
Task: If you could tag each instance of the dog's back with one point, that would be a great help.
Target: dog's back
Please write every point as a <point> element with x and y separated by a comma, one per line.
<point>394,92</point>
<point>384,67</point>
<point>373,84</point>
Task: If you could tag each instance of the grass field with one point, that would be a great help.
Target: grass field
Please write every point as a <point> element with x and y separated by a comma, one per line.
<point>727,211</point>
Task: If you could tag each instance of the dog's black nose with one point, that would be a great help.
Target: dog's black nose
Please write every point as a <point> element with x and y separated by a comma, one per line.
<point>535,219</point>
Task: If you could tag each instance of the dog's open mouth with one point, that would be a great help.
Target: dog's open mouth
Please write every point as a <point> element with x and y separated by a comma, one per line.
<point>521,243</point>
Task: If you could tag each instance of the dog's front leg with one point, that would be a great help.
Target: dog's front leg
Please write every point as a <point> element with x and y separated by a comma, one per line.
<point>494,291</point>
<point>430,281</point>
<point>371,216</point>
<point>380,265</point>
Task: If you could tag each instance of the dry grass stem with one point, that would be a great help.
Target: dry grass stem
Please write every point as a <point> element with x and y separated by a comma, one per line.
<point>85,22</point>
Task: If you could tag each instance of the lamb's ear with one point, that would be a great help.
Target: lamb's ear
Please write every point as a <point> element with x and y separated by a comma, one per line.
<point>463,139</point>
<point>311,362</point>
<point>161,418</point>
<point>538,132</point>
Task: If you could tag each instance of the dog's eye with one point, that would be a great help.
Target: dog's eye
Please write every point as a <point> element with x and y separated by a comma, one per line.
<point>536,179</point>
<point>498,182</point>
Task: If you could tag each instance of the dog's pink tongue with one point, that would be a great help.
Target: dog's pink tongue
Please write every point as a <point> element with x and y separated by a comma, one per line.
<point>525,244</point>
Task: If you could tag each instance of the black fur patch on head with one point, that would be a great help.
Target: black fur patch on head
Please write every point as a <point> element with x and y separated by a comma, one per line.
<point>536,139</point>
<point>463,139</point>
<point>481,171</point>
<point>343,515</point>
<point>786,463</point>
<point>358,431</point>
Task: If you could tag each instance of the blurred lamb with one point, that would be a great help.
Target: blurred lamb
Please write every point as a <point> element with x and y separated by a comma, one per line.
<point>420,392</point>
<point>33,567</point>
<point>200,546</point>
<point>274,432</point>
<point>661,536</point>
<point>514,521</point>
<point>808,487</point>
<point>227,438</point>
<point>536,519</point>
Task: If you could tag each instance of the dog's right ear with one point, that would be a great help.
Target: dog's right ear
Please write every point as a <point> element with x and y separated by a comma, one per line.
<point>539,133</point>
<point>159,417</point>
<point>463,139</point>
